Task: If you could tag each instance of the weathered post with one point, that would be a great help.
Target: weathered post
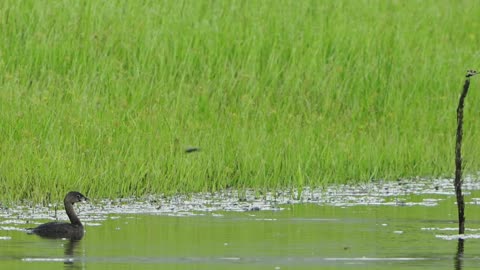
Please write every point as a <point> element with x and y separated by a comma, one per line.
<point>458,154</point>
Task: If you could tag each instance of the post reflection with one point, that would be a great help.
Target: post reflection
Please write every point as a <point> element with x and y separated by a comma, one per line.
<point>459,255</point>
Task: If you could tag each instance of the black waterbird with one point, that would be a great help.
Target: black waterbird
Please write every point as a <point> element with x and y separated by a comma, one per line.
<point>73,230</point>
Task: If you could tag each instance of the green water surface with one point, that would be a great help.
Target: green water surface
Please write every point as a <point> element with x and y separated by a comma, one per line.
<point>305,236</point>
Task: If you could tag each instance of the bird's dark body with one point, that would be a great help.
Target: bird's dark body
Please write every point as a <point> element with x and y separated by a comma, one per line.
<point>57,230</point>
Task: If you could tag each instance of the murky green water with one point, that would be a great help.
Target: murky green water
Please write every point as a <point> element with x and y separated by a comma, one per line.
<point>301,236</point>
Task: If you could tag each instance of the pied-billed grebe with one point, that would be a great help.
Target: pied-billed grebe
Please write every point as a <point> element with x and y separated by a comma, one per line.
<point>72,230</point>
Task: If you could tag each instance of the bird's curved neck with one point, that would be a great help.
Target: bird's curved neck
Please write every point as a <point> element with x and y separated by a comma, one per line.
<point>71,214</point>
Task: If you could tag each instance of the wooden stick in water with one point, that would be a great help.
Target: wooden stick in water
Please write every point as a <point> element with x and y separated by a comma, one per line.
<point>458,154</point>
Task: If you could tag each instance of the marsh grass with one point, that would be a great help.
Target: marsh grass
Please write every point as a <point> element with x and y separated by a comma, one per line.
<point>105,96</point>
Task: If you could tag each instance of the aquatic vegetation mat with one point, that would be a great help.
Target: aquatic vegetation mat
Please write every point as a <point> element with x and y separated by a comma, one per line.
<point>393,193</point>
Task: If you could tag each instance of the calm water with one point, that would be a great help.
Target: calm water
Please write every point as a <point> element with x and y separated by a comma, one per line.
<point>416,232</point>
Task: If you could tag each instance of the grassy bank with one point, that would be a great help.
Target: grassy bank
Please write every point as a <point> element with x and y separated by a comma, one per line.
<point>103,96</point>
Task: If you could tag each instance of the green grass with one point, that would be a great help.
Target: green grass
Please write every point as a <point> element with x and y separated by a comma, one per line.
<point>103,96</point>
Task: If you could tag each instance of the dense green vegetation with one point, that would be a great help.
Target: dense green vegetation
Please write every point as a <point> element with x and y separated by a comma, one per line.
<point>103,96</point>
